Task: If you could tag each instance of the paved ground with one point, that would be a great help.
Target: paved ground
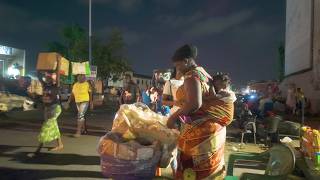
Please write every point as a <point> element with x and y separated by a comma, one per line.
<point>78,159</point>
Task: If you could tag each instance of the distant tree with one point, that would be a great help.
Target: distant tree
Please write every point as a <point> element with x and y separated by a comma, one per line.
<point>74,44</point>
<point>57,47</point>
<point>112,53</point>
<point>281,62</point>
<point>108,56</point>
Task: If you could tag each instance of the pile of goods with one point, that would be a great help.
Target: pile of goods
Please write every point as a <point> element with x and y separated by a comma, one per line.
<point>138,143</point>
<point>9,102</point>
<point>289,128</point>
<point>310,144</point>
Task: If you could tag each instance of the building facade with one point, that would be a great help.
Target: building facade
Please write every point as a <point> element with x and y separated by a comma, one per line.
<point>142,81</point>
<point>302,49</point>
<point>12,61</point>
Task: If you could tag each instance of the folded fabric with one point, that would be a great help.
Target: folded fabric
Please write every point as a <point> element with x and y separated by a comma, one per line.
<point>81,68</point>
<point>229,97</point>
<point>64,66</point>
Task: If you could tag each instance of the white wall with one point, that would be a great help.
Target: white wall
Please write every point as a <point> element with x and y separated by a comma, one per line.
<point>142,82</point>
<point>137,80</point>
<point>299,40</point>
<point>316,43</point>
<point>298,52</point>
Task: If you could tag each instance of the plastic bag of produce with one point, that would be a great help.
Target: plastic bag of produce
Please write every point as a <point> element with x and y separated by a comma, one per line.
<point>158,132</point>
<point>138,121</point>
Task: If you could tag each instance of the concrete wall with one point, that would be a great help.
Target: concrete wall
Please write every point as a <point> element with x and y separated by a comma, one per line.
<point>316,44</point>
<point>298,54</point>
<point>308,80</point>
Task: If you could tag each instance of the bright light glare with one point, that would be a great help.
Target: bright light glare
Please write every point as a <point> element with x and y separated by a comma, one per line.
<point>12,71</point>
<point>246,91</point>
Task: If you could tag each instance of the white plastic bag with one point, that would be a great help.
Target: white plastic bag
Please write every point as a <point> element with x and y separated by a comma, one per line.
<point>138,121</point>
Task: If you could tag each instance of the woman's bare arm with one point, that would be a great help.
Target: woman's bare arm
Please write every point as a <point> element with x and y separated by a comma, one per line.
<point>192,88</point>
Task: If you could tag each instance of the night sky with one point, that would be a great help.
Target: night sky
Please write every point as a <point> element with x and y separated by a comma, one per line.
<point>240,37</point>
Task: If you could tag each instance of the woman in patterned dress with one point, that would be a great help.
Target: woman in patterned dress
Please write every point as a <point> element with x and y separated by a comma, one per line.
<point>52,110</point>
<point>203,133</point>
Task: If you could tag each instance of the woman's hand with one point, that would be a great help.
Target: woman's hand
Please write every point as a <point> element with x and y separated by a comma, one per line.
<point>171,122</point>
<point>178,103</point>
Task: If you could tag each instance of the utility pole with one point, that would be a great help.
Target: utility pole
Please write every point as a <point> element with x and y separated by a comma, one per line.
<point>90,35</point>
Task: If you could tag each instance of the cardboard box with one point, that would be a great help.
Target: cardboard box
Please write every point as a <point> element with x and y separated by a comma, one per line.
<point>130,150</point>
<point>48,61</point>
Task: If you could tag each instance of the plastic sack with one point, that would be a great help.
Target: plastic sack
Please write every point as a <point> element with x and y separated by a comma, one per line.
<point>138,121</point>
<point>127,160</point>
<point>129,170</point>
<point>81,68</point>
<point>28,105</point>
<point>168,154</point>
<point>64,66</point>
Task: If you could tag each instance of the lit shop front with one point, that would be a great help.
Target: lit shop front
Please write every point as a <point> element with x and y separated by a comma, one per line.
<point>12,62</point>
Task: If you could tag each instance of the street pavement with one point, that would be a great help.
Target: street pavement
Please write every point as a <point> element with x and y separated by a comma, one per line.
<point>79,158</point>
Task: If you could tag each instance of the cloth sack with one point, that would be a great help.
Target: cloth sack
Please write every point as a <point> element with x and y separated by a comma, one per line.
<point>81,68</point>
<point>64,66</point>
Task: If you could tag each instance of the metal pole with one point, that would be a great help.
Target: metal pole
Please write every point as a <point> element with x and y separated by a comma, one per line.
<point>90,35</point>
<point>302,112</point>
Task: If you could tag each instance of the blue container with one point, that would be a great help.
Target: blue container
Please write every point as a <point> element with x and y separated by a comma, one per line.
<point>119,169</point>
